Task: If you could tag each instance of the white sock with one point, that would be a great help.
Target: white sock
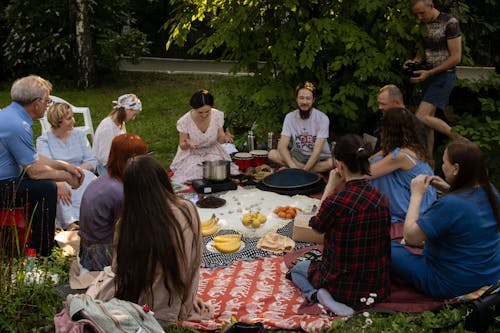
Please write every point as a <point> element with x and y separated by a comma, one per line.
<point>325,299</point>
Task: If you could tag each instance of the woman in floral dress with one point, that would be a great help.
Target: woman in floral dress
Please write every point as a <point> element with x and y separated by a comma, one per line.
<point>201,134</point>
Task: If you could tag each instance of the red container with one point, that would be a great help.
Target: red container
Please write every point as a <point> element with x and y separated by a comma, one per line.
<point>259,157</point>
<point>243,160</point>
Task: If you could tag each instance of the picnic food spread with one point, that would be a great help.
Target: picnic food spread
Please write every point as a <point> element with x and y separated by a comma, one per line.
<point>243,201</point>
<point>210,226</point>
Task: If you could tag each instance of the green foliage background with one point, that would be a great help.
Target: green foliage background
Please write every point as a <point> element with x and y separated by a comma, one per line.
<point>349,49</point>
<point>39,37</point>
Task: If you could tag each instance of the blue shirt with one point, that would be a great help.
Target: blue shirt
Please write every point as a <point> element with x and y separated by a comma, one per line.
<point>463,247</point>
<point>76,150</point>
<point>16,141</point>
<point>397,186</point>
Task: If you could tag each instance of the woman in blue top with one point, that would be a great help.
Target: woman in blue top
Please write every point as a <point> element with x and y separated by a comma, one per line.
<point>64,142</point>
<point>402,158</point>
<point>460,230</point>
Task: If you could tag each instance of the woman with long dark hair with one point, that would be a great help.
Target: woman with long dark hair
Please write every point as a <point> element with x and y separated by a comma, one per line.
<point>356,259</point>
<point>460,230</point>
<point>158,245</point>
<point>402,158</point>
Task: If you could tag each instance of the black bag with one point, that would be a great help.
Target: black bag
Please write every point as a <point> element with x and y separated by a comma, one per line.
<point>240,327</point>
<point>482,310</point>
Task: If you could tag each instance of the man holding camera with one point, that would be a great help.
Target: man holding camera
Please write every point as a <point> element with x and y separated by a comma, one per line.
<point>442,52</point>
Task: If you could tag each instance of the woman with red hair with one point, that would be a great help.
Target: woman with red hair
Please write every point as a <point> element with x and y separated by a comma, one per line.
<point>102,203</point>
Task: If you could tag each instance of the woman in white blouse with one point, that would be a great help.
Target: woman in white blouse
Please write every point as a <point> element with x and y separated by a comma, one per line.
<point>64,142</point>
<point>127,108</point>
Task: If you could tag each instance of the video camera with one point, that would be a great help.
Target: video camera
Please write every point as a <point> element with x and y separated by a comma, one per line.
<point>414,66</point>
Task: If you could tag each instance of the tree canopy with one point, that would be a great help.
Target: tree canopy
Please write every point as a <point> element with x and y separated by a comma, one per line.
<point>349,49</point>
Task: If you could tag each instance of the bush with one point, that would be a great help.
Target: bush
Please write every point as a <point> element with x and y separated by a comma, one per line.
<point>113,45</point>
<point>483,126</point>
<point>25,303</point>
<point>41,37</point>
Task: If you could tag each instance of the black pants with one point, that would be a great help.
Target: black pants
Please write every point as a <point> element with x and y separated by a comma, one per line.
<point>41,196</point>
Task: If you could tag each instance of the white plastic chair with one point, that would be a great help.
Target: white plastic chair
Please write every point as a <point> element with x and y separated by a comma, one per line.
<point>88,128</point>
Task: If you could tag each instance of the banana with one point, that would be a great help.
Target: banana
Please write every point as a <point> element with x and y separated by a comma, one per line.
<point>227,238</point>
<point>210,222</point>
<point>228,247</point>
<point>210,230</point>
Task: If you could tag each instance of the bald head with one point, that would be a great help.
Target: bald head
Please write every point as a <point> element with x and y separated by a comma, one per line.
<point>390,97</point>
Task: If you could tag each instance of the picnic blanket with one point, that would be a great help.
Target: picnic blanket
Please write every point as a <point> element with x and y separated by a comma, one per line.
<point>245,200</point>
<point>257,291</point>
<point>249,251</point>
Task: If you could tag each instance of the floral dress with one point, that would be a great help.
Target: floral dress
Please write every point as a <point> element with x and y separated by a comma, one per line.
<point>187,164</point>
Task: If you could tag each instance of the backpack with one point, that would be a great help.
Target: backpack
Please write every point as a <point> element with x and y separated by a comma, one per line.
<point>112,316</point>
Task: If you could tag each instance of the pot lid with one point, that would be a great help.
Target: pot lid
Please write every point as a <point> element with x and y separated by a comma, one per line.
<point>291,178</point>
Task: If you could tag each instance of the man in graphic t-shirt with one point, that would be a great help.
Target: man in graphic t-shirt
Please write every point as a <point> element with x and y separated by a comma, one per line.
<point>303,142</point>
<point>442,52</point>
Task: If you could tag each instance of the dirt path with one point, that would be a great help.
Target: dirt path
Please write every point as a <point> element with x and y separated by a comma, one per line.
<point>191,66</point>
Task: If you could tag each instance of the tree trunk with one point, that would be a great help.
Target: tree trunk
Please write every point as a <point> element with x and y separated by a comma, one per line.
<point>84,61</point>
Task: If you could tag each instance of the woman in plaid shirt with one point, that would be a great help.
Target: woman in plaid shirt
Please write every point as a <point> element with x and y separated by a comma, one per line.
<point>356,258</point>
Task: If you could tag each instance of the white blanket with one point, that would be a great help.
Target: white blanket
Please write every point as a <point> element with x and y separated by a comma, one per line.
<point>242,201</point>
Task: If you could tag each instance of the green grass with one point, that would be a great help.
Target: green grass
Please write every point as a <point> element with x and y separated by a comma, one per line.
<point>165,98</point>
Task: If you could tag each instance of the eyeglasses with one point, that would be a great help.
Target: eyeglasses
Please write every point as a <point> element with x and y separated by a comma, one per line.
<point>49,100</point>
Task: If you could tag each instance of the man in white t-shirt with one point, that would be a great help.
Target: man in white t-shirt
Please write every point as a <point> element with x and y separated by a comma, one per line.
<point>305,130</point>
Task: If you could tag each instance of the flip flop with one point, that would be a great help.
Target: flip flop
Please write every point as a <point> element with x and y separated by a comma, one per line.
<point>72,227</point>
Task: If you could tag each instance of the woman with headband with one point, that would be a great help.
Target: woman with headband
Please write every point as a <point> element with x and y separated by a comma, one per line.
<point>126,108</point>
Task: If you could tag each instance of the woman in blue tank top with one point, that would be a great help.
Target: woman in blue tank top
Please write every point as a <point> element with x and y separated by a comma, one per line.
<point>402,158</point>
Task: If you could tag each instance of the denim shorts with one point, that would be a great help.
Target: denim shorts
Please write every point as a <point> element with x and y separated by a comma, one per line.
<point>437,88</point>
<point>303,158</point>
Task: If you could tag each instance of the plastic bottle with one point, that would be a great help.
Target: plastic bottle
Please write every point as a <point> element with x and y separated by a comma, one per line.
<point>30,259</point>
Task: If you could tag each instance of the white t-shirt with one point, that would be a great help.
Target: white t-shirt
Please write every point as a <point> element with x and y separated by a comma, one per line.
<point>304,132</point>
<point>104,135</point>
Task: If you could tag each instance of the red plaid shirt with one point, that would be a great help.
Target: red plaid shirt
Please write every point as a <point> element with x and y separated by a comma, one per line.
<point>356,257</point>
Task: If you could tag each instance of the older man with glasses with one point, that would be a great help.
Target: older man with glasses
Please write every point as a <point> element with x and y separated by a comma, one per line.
<point>22,171</point>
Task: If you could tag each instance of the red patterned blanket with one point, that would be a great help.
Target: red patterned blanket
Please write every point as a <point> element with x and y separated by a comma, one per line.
<point>255,291</point>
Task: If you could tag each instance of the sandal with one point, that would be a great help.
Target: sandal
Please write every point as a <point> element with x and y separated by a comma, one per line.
<point>72,227</point>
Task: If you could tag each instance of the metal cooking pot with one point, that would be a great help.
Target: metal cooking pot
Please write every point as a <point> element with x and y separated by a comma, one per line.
<point>216,170</point>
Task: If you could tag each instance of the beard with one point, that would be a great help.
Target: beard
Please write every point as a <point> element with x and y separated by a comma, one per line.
<point>304,114</point>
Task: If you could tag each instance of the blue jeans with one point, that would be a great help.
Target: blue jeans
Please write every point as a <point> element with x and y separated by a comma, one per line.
<point>299,277</point>
<point>101,169</point>
<point>41,195</point>
<point>409,267</point>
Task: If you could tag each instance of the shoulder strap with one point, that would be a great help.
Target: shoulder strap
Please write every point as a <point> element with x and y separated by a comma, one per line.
<point>410,157</point>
